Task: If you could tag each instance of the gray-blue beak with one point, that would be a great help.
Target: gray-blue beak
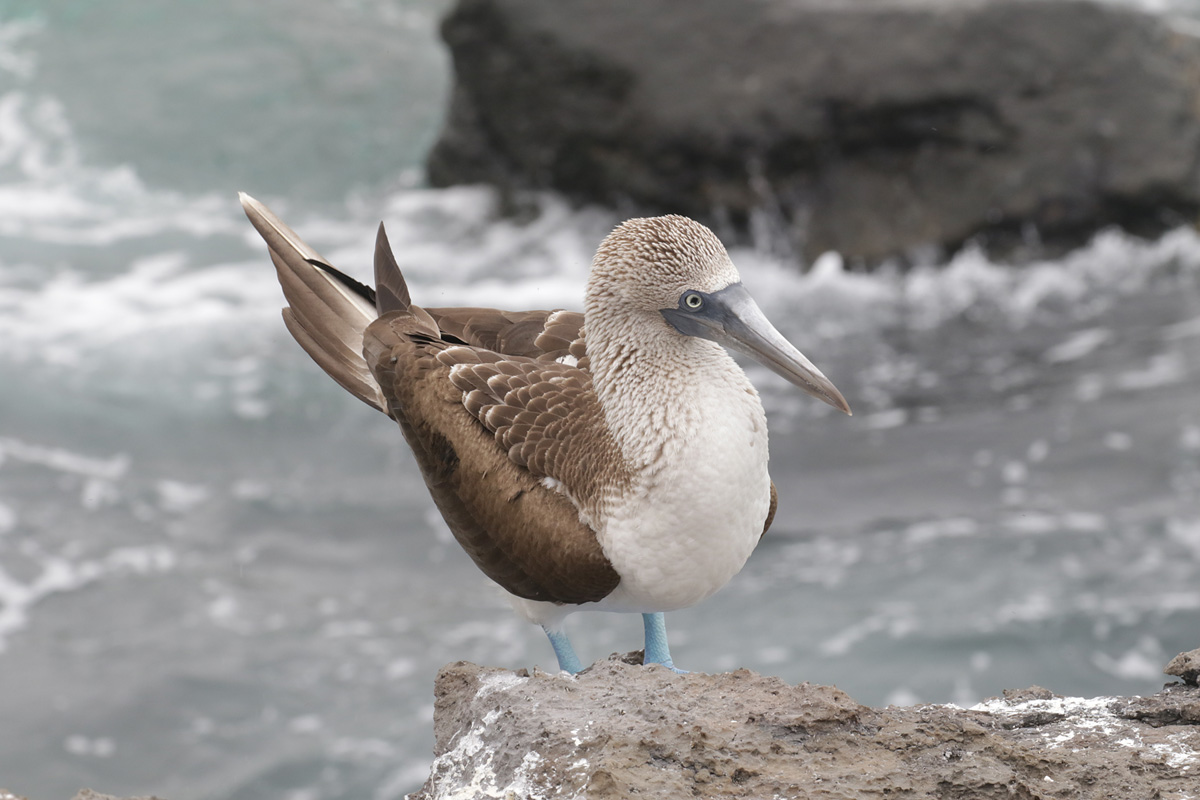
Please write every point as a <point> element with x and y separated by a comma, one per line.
<point>731,318</point>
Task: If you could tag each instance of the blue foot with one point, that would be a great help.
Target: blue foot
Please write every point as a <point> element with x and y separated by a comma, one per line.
<point>567,660</point>
<point>657,651</point>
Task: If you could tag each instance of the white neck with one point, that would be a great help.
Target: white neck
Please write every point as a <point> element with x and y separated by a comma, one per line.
<point>661,390</point>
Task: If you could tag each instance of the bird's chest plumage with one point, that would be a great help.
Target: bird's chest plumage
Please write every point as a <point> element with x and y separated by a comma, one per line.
<point>699,498</point>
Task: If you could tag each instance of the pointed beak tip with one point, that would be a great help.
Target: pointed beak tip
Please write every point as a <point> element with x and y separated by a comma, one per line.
<point>840,404</point>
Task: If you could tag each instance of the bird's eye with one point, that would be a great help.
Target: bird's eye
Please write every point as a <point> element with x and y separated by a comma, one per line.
<point>693,300</point>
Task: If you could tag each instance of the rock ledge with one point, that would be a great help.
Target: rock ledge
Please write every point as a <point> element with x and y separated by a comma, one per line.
<point>621,730</point>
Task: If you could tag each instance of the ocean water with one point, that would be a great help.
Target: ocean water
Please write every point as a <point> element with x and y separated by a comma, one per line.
<point>220,576</point>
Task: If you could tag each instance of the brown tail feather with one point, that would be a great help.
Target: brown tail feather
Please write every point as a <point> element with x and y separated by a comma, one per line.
<point>327,312</point>
<point>391,292</point>
<point>329,362</point>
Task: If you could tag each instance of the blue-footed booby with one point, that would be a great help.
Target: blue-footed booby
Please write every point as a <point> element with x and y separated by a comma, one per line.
<point>614,459</point>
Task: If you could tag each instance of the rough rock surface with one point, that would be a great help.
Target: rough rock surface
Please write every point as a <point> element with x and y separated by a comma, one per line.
<point>1185,666</point>
<point>619,730</point>
<point>874,127</point>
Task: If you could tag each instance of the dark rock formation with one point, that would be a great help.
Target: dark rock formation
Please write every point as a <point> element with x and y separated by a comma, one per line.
<point>619,730</point>
<point>867,126</point>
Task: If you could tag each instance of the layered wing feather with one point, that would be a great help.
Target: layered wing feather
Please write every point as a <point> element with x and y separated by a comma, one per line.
<point>541,335</point>
<point>546,417</point>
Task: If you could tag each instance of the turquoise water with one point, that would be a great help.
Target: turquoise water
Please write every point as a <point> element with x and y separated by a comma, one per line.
<point>220,576</point>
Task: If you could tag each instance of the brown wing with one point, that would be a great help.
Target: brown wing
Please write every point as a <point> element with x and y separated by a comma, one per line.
<point>524,536</point>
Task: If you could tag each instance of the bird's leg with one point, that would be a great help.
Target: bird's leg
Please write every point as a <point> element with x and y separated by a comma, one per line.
<point>657,651</point>
<point>567,660</point>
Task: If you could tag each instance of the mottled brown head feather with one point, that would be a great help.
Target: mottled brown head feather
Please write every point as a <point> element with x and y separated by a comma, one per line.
<point>650,261</point>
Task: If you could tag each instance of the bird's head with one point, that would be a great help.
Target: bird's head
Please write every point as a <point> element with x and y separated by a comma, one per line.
<point>675,272</point>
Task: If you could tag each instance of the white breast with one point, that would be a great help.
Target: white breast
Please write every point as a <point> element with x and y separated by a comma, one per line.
<point>697,509</point>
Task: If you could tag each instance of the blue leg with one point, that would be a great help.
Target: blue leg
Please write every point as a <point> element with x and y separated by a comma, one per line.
<point>567,660</point>
<point>657,651</point>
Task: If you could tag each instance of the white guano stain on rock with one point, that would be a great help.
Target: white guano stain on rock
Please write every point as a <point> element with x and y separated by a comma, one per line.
<point>1078,716</point>
<point>468,770</point>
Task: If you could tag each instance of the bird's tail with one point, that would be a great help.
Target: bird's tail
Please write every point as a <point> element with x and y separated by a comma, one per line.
<point>327,311</point>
